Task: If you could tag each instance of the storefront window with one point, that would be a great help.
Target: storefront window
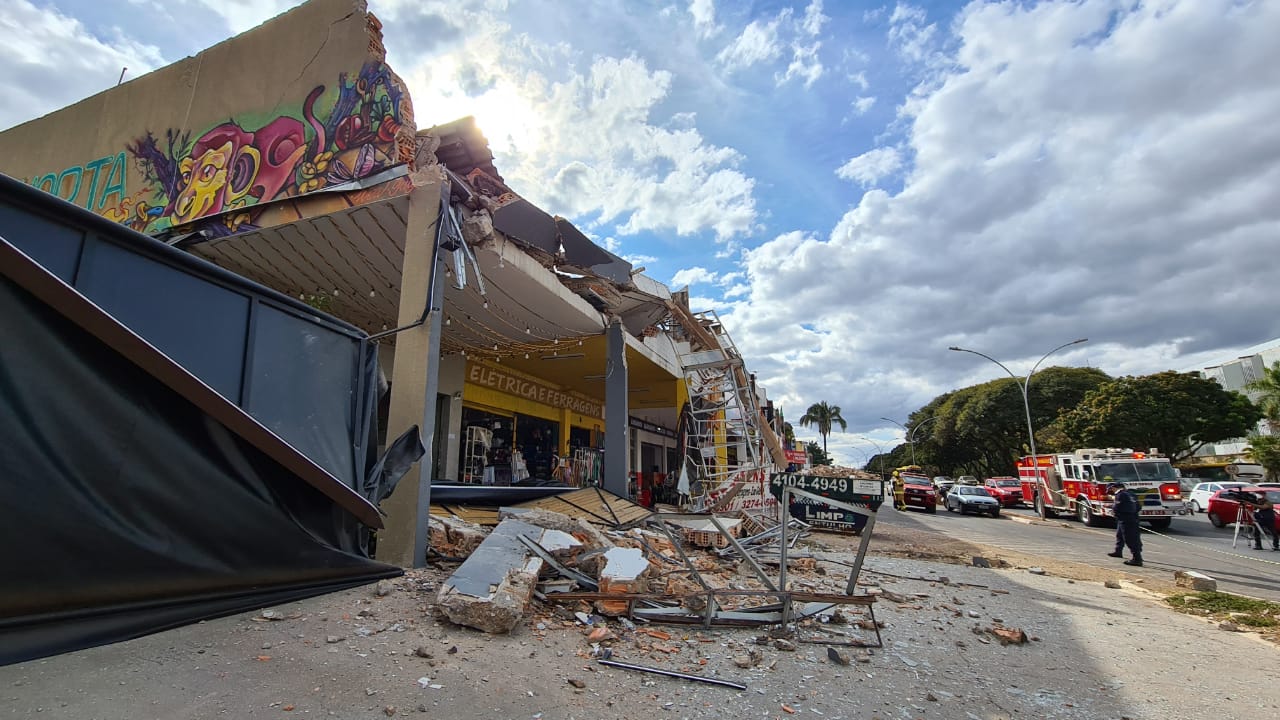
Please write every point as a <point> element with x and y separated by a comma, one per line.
<point>486,447</point>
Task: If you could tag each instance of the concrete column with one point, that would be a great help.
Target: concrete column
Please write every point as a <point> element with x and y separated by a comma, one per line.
<point>617,444</point>
<point>415,379</point>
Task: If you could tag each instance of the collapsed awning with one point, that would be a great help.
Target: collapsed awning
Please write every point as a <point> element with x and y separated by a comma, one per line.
<point>141,499</point>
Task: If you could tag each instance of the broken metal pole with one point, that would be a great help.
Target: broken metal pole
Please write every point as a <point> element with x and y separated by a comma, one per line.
<point>673,673</point>
<point>733,542</point>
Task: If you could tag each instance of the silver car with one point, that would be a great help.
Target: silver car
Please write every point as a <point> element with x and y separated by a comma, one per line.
<point>971,498</point>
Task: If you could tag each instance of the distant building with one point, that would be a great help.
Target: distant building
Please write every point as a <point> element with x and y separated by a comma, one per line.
<point>1235,374</point>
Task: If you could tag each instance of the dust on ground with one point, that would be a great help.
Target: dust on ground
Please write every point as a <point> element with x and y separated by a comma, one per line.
<point>921,544</point>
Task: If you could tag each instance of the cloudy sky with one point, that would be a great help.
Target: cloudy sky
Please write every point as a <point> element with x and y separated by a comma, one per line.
<point>854,186</point>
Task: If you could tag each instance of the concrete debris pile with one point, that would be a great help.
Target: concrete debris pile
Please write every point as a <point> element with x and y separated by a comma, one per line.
<point>677,569</point>
<point>838,471</point>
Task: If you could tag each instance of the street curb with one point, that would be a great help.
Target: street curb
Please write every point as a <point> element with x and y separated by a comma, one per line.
<point>1020,519</point>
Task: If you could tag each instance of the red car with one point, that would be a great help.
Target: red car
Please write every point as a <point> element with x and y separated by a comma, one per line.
<point>920,494</point>
<point>1008,490</point>
<point>1223,505</point>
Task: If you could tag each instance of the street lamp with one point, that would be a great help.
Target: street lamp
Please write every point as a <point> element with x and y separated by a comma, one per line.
<point>1023,385</point>
<point>879,452</point>
<point>911,434</point>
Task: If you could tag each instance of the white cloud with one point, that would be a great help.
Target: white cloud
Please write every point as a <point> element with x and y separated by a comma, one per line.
<point>863,104</point>
<point>804,65</point>
<point>860,79</point>
<point>690,276</point>
<point>910,33</point>
<point>51,60</point>
<point>1076,169</point>
<point>758,43</point>
<point>704,17</point>
<point>241,15</point>
<point>813,19</point>
<point>577,135</point>
<point>869,167</point>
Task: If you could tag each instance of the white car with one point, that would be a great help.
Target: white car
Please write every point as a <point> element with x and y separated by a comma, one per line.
<point>1201,493</point>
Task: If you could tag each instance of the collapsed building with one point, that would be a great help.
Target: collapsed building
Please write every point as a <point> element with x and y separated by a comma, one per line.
<point>261,235</point>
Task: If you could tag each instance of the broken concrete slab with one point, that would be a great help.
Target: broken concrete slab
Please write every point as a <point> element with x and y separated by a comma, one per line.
<point>1194,580</point>
<point>452,537</point>
<point>491,588</point>
<point>584,531</point>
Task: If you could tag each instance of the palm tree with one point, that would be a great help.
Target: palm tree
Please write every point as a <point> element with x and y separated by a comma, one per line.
<point>824,416</point>
<point>1267,389</point>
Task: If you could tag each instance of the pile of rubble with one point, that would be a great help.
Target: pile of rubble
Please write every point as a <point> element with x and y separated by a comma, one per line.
<point>707,570</point>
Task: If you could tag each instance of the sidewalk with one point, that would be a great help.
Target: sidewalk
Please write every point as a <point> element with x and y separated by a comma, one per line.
<point>1093,652</point>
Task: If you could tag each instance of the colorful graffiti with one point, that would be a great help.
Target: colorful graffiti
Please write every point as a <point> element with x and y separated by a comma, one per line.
<point>212,183</point>
<point>70,183</point>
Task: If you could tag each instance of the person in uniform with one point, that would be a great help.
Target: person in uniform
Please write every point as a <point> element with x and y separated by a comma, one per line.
<point>899,492</point>
<point>1127,508</point>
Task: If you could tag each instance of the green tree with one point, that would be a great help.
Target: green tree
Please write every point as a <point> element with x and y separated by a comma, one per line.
<point>1265,449</point>
<point>817,456</point>
<point>825,417</point>
<point>982,429</point>
<point>1267,391</point>
<point>1175,412</point>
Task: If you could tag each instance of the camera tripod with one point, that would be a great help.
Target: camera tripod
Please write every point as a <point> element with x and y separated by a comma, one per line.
<point>1247,526</point>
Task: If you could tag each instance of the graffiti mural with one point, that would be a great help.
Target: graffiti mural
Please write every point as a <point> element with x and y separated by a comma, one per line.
<point>212,182</point>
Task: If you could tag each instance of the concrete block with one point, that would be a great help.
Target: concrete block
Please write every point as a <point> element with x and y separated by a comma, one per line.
<point>1195,581</point>
<point>491,588</point>
<point>453,537</point>
<point>623,570</point>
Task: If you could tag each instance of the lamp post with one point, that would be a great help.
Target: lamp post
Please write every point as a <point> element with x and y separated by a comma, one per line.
<point>1023,385</point>
<point>911,433</point>
<point>879,452</point>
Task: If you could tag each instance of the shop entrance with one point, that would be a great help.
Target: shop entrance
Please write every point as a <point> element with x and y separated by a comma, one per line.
<point>485,455</point>
<point>537,440</point>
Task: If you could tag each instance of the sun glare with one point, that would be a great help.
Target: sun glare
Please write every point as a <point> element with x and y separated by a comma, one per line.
<point>507,120</point>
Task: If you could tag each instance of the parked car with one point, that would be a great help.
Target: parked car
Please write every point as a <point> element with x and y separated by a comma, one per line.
<point>1006,489</point>
<point>1224,505</point>
<point>967,480</point>
<point>972,498</point>
<point>1269,485</point>
<point>1201,493</point>
<point>942,483</point>
<point>920,494</point>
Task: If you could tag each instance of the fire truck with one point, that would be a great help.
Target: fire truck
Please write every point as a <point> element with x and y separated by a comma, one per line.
<point>1076,483</point>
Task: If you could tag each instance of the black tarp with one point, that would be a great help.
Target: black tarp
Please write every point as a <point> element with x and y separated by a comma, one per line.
<point>306,375</point>
<point>176,442</point>
<point>136,498</point>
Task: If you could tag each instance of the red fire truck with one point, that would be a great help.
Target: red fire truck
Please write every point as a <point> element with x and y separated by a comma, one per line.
<point>1076,483</point>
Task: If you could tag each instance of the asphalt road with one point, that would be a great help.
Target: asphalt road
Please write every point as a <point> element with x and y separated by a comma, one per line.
<point>1192,543</point>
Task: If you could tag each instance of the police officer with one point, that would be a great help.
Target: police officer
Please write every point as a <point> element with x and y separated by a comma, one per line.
<point>1127,532</point>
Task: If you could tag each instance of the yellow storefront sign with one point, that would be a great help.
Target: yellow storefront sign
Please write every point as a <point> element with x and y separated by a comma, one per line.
<point>492,378</point>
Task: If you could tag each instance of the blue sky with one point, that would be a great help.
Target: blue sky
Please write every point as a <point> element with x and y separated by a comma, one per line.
<point>853,186</point>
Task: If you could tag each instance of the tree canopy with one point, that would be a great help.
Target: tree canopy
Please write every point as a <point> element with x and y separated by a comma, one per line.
<point>1266,389</point>
<point>982,429</point>
<point>817,456</point>
<point>823,416</point>
<point>1175,412</point>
